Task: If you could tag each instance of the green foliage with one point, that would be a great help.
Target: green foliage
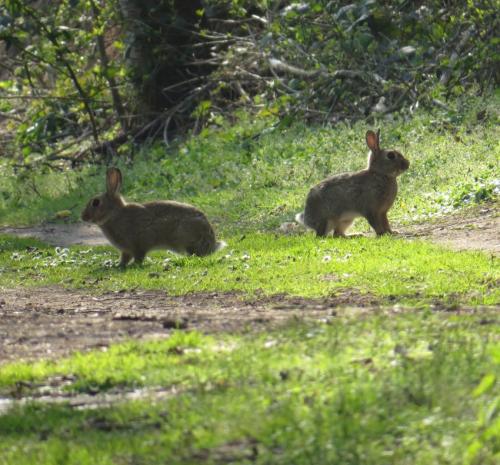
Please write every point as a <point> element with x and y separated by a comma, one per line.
<point>86,79</point>
<point>122,365</point>
<point>58,87</point>
<point>332,61</point>
<point>383,388</point>
<point>487,437</point>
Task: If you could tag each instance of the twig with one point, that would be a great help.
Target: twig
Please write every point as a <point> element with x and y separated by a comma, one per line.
<point>9,116</point>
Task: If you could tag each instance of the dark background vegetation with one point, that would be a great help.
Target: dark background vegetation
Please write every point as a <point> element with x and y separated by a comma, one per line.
<point>88,80</point>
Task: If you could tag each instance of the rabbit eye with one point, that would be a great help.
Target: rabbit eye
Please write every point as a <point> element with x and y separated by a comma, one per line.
<point>391,155</point>
<point>95,202</point>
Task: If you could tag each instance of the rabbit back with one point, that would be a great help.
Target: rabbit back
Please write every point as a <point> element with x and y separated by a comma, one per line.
<point>139,228</point>
<point>182,228</point>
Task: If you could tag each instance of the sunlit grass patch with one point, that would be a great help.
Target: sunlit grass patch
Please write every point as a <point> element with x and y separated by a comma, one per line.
<point>387,268</point>
<point>127,364</point>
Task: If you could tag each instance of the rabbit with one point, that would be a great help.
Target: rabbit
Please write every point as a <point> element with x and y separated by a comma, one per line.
<point>335,202</point>
<point>136,228</point>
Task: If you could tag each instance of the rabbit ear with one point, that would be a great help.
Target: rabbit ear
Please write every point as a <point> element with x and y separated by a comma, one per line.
<point>372,140</point>
<point>113,181</point>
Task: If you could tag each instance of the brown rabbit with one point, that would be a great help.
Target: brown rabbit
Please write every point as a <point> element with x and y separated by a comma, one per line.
<point>335,202</point>
<point>137,228</point>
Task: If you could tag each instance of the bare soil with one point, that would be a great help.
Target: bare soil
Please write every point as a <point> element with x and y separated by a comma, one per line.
<point>477,229</point>
<point>50,322</point>
<point>61,235</point>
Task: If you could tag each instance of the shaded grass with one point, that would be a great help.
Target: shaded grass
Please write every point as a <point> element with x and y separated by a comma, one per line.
<point>388,268</point>
<point>251,176</point>
<point>378,389</point>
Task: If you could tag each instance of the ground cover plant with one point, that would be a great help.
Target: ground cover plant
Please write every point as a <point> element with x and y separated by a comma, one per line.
<point>387,269</point>
<point>413,382</point>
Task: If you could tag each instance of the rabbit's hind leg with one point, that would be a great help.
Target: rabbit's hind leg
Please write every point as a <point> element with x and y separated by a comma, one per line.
<point>139,257</point>
<point>385,223</point>
<point>198,250</point>
<point>341,227</point>
<point>325,227</point>
<point>321,228</point>
<point>202,247</point>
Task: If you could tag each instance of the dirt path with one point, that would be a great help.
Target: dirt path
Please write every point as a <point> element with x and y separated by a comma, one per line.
<point>473,229</point>
<point>51,322</point>
<point>61,235</point>
<point>478,229</point>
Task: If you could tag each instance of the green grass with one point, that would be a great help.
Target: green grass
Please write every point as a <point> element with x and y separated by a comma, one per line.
<point>412,387</point>
<point>411,272</point>
<point>385,388</point>
<point>251,176</point>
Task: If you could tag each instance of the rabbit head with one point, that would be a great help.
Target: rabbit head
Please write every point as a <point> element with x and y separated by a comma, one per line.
<point>388,162</point>
<point>101,208</point>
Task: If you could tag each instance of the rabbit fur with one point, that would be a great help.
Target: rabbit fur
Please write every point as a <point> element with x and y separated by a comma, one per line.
<point>136,228</point>
<point>334,203</point>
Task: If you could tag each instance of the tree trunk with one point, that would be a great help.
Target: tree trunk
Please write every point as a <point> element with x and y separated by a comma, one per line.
<point>160,36</point>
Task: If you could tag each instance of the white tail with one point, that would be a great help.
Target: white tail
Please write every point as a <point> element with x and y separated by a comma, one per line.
<point>220,245</point>
<point>299,218</point>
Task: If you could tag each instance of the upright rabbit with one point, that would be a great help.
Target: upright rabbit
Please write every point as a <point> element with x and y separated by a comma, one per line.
<point>136,228</point>
<point>335,202</point>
